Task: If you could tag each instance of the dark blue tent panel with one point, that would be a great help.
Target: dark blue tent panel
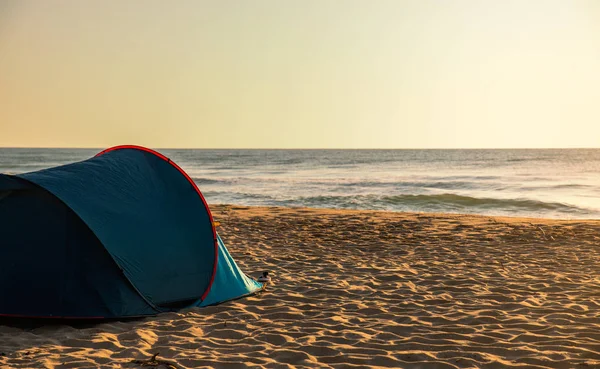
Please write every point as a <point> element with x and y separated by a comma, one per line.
<point>126,233</point>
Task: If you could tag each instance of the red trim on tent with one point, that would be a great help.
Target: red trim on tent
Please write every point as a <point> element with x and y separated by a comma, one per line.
<point>212,223</point>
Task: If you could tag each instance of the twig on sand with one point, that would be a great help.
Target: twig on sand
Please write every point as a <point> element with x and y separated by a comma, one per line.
<point>154,362</point>
<point>544,233</point>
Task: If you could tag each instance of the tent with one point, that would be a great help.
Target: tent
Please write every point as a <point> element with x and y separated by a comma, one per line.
<point>126,233</point>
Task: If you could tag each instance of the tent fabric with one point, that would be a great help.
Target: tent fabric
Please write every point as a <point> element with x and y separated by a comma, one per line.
<point>126,233</point>
<point>230,283</point>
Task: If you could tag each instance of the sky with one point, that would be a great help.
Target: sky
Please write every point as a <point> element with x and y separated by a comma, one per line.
<point>300,74</point>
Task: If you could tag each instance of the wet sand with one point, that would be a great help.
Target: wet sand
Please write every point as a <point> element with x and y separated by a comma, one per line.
<point>358,289</point>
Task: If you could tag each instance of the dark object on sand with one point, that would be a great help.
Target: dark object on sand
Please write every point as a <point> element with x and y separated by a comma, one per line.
<point>264,278</point>
<point>126,233</point>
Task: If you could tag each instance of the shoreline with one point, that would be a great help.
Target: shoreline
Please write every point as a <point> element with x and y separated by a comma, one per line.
<point>217,207</point>
<point>362,289</point>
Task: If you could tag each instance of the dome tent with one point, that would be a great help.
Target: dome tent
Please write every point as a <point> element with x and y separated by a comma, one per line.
<point>126,233</point>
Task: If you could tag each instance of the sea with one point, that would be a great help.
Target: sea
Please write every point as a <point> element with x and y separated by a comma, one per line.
<point>542,183</point>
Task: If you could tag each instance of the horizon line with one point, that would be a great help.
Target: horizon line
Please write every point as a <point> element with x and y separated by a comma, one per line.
<point>299,148</point>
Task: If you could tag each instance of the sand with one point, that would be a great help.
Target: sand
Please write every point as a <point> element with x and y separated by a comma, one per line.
<point>358,289</point>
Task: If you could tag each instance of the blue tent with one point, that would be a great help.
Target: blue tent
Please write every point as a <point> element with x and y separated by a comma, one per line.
<point>126,233</point>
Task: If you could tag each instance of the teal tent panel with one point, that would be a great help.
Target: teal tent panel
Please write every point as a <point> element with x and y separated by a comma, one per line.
<point>230,282</point>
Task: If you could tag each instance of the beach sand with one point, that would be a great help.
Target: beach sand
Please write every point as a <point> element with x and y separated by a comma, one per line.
<point>357,289</point>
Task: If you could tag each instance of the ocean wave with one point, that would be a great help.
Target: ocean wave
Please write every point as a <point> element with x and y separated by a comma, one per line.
<point>438,203</point>
<point>238,197</point>
<point>443,185</point>
<point>205,181</point>
<point>559,187</point>
<point>344,182</point>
